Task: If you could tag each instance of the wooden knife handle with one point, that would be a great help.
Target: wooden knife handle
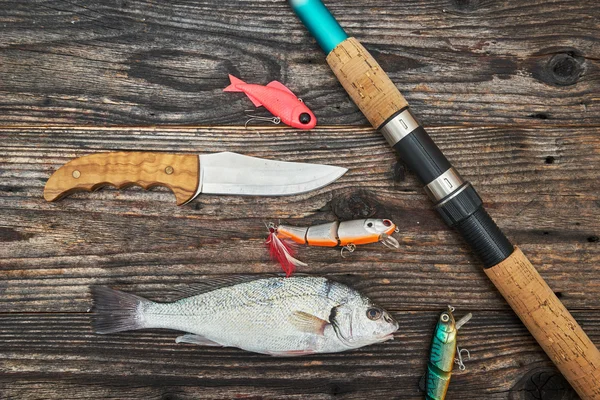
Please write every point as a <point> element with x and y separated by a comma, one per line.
<point>177,172</point>
<point>549,322</point>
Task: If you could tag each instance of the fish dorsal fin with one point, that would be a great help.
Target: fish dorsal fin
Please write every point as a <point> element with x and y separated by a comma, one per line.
<point>280,86</point>
<point>308,323</point>
<point>219,282</point>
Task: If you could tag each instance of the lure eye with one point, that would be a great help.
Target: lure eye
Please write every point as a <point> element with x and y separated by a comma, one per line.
<point>304,118</point>
<point>370,224</point>
<point>387,222</point>
<point>445,318</point>
<point>373,314</point>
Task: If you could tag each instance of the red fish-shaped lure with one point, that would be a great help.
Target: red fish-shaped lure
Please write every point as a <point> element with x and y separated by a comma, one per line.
<point>278,99</point>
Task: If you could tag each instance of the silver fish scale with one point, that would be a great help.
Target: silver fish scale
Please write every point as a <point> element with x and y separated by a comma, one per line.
<point>258,315</point>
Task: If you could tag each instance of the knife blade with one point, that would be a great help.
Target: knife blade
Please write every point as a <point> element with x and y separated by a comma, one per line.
<point>189,175</point>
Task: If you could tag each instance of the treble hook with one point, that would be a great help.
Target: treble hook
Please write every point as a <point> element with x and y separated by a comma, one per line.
<point>459,360</point>
<point>349,247</point>
<point>274,120</point>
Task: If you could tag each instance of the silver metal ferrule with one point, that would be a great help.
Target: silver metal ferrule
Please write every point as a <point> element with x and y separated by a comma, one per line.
<point>399,126</point>
<point>444,185</point>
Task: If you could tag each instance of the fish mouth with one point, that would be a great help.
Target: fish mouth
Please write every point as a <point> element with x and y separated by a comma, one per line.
<point>387,337</point>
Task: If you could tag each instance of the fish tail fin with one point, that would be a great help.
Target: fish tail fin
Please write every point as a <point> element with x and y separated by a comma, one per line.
<point>283,252</point>
<point>116,311</point>
<point>234,82</point>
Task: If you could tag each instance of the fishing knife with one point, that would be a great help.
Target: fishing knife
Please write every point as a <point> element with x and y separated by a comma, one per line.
<point>189,175</point>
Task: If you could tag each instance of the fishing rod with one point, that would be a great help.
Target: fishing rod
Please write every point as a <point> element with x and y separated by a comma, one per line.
<point>456,201</point>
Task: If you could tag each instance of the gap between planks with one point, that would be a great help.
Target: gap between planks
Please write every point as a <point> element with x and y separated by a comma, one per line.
<point>185,128</point>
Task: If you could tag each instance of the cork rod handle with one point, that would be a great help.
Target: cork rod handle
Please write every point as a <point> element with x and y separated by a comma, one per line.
<point>549,322</point>
<point>178,172</point>
<point>366,83</point>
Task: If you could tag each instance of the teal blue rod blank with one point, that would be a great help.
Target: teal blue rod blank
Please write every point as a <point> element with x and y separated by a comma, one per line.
<point>320,23</point>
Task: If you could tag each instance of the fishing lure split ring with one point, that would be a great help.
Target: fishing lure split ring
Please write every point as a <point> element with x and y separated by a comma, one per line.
<point>346,234</point>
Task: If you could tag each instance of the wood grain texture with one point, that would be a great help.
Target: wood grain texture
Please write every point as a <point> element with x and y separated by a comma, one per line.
<point>180,173</point>
<point>540,185</point>
<point>508,90</point>
<point>549,322</point>
<point>366,83</point>
<point>141,62</point>
<point>58,356</point>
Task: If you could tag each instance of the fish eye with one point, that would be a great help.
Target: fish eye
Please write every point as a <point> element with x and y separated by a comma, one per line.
<point>445,317</point>
<point>373,314</point>
<point>305,118</point>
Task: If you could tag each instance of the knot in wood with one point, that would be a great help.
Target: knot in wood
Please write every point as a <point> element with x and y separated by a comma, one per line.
<point>542,383</point>
<point>355,205</point>
<point>565,69</point>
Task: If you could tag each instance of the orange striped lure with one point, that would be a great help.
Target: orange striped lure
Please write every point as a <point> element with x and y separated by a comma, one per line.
<point>347,234</point>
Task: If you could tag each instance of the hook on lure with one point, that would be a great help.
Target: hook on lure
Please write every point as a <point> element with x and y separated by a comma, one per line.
<point>349,248</point>
<point>459,359</point>
<point>346,234</point>
<point>273,120</point>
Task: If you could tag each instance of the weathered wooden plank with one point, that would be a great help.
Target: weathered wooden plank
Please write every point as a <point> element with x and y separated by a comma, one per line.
<point>56,356</point>
<point>539,184</point>
<point>138,62</point>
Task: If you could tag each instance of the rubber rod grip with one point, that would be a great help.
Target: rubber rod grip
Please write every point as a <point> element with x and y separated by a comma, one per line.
<point>549,322</point>
<point>485,238</point>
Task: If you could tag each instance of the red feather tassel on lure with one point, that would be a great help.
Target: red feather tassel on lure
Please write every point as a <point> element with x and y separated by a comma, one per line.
<point>283,252</point>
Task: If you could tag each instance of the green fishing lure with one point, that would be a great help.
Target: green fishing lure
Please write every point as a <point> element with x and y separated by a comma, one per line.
<point>443,356</point>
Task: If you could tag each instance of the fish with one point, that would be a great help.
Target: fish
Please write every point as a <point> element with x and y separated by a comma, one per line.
<point>278,99</point>
<point>347,234</point>
<point>436,380</point>
<point>277,316</point>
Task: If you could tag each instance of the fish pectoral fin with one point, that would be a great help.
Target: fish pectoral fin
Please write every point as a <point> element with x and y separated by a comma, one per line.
<point>280,86</point>
<point>254,100</point>
<point>196,339</point>
<point>309,323</point>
